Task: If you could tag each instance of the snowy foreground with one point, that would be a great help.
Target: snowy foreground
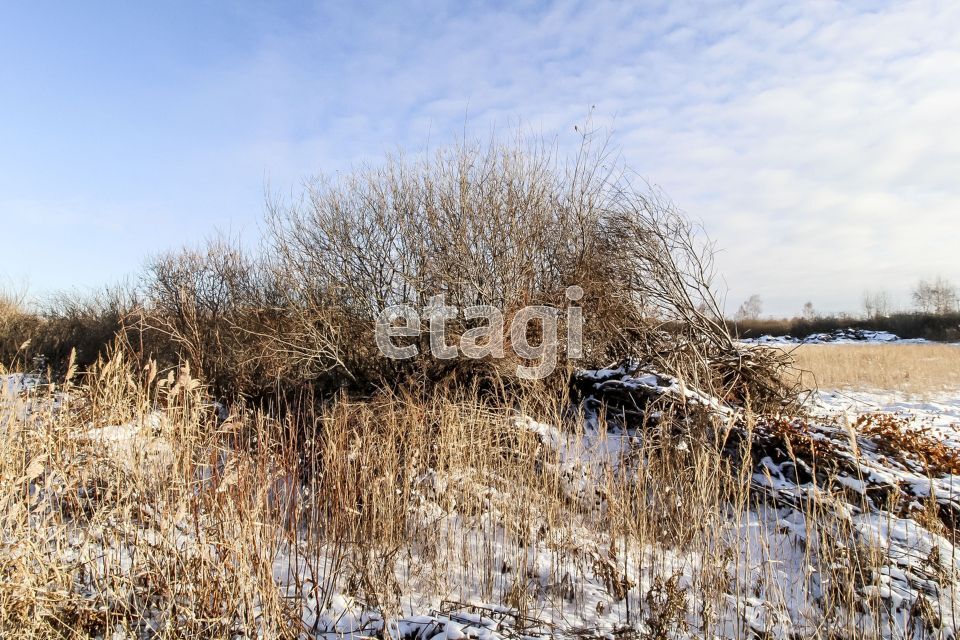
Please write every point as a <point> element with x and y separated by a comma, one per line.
<point>766,571</point>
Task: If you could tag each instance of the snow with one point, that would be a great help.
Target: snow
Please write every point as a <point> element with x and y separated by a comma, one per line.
<point>940,414</point>
<point>775,588</point>
<point>840,336</point>
<point>15,404</point>
<point>13,384</point>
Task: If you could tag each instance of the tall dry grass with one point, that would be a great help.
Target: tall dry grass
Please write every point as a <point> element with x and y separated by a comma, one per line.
<point>16,326</point>
<point>130,509</point>
<point>922,370</point>
<point>47,331</point>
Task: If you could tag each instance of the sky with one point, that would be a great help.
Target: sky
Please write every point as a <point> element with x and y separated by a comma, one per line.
<point>818,142</point>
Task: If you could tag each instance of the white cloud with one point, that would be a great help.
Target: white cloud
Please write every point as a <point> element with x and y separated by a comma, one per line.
<point>817,141</point>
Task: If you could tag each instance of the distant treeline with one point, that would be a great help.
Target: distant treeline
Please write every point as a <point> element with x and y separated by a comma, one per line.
<point>939,327</point>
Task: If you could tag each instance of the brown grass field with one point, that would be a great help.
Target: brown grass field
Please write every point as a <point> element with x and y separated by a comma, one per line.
<point>914,369</point>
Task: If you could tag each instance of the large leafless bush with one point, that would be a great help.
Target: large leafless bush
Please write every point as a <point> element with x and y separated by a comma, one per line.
<point>208,303</point>
<point>507,226</point>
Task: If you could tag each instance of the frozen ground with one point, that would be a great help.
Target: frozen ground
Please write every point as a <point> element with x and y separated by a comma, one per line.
<point>13,384</point>
<point>939,413</point>
<point>777,586</point>
<point>774,587</point>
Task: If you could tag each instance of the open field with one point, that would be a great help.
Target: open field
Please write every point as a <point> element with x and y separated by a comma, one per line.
<point>922,370</point>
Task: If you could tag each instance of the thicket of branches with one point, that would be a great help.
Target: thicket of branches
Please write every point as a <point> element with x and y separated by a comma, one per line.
<point>481,224</point>
<point>81,323</point>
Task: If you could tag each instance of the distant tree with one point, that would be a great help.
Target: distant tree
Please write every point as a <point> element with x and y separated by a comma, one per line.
<point>876,304</point>
<point>809,313</point>
<point>751,308</point>
<point>938,296</point>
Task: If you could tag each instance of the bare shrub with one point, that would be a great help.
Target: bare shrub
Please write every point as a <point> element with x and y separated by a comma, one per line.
<point>12,302</point>
<point>211,304</point>
<point>506,226</point>
<point>481,226</point>
<point>87,323</point>
<point>70,324</point>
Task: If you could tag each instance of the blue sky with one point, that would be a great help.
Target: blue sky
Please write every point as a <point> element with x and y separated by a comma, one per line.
<point>818,141</point>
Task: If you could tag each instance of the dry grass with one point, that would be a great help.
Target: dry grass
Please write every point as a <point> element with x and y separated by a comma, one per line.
<point>922,370</point>
<point>187,529</point>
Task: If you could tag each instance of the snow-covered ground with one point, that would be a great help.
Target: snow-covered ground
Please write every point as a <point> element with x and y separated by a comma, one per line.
<point>13,384</point>
<point>576,582</point>
<point>939,413</point>
<point>840,336</point>
<point>780,580</point>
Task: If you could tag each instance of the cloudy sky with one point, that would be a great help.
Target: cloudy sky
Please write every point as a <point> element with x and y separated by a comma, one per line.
<point>819,142</point>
